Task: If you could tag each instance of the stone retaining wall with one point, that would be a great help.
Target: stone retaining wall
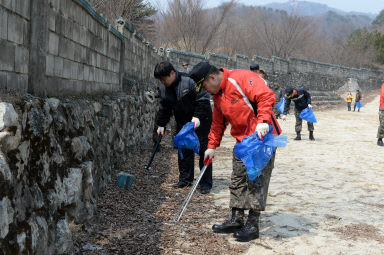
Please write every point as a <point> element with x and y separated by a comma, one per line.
<point>56,157</point>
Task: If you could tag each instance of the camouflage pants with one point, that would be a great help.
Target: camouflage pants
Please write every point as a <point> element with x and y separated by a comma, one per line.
<point>299,123</point>
<point>380,131</point>
<point>247,194</point>
<point>276,112</point>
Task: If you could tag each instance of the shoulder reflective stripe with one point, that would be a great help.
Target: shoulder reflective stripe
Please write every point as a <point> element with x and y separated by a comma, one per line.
<point>241,92</point>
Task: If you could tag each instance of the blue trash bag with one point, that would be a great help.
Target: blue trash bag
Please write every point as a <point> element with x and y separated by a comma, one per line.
<point>256,154</point>
<point>359,105</point>
<point>307,114</point>
<point>280,106</point>
<point>187,139</point>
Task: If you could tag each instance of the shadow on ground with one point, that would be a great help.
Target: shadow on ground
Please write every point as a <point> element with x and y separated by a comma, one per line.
<point>284,225</point>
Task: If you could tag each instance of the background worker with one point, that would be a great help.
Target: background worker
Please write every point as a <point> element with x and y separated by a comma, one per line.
<point>234,93</point>
<point>349,100</point>
<point>358,97</point>
<point>302,100</point>
<point>186,67</point>
<point>181,97</point>
<point>278,95</point>
<point>380,131</point>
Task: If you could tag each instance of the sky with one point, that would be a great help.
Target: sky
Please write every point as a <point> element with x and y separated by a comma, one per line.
<point>370,6</point>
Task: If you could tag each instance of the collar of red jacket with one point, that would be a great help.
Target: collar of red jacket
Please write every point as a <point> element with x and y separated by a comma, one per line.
<point>225,77</point>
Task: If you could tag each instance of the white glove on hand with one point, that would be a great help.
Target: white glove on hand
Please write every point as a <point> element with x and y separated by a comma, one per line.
<point>262,129</point>
<point>160,131</point>
<point>284,117</point>
<point>209,153</point>
<point>309,106</point>
<point>196,122</point>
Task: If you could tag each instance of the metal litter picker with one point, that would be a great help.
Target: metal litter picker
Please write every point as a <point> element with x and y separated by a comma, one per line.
<point>189,196</point>
<point>154,150</point>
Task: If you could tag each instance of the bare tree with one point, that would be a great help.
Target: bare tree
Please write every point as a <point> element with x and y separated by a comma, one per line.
<point>186,25</point>
<point>285,34</point>
<point>136,12</point>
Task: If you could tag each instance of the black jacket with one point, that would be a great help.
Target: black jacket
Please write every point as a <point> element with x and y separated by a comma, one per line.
<point>301,100</point>
<point>184,102</point>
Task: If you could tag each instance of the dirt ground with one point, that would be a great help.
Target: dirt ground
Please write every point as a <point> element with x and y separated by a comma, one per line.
<point>325,197</point>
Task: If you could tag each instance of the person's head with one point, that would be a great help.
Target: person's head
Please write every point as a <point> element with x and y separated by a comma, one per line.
<point>275,86</point>
<point>185,65</point>
<point>358,91</point>
<point>262,74</point>
<point>207,77</point>
<point>290,92</point>
<point>254,67</point>
<point>165,73</point>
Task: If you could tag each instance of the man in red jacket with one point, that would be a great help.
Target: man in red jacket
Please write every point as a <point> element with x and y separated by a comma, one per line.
<point>380,131</point>
<point>243,100</point>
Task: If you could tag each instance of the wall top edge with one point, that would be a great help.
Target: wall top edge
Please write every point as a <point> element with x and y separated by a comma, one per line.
<point>242,56</point>
<point>262,58</point>
<point>88,7</point>
<point>189,54</point>
<point>281,59</point>
<point>333,65</point>
<point>219,56</point>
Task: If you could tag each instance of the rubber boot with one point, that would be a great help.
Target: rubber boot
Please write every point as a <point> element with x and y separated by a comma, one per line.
<point>250,230</point>
<point>298,136</point>
<point>380,142</point>
<point>232,225</point>
<point>311,136</point>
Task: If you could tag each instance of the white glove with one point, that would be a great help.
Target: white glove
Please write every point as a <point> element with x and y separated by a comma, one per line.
<point>284,117</point>
<point>262,129</point>
<point>196,122</point>
<point>160,131</point>
<point>209,153</point>
<point>309,106</point>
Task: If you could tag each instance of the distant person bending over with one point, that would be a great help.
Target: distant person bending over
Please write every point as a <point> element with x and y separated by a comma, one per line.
<point>302,100</point>
<point>358,97</point>
<point>380,132</point>
<point>349,101</point>
<point>188,103</point>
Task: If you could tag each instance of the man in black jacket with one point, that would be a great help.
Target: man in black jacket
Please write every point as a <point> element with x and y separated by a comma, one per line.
<point>302,100</point>
<point>181,96</point>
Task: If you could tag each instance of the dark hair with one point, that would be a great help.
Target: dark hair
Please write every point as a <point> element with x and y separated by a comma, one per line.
<point>213,70</point>
<point>163,69</point>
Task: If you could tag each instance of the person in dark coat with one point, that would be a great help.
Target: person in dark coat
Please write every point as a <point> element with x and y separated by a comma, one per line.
<point>302,100</point>
<point>181,97</point>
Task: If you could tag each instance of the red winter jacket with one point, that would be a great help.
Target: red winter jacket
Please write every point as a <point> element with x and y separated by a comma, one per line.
<point>382,97</point>
<point>231,108</point>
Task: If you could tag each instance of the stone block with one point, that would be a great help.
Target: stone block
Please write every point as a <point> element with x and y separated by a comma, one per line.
<point>64,243</point>
<point>15,28</point>
<point>6,216</point>
<point>21,59</point>
<point>23,8</point>
<point>3,80</point>
<point>3,24</point>
<point>52,20</point>
<point>67,69</point>
<point>80,72</point>
<point>53,43</point>
<point>50,65</point>
<point>124,180</point>
<point>59,65</point>
<point>7,4</point>
<point>8,116</point>
<point>7,56</point>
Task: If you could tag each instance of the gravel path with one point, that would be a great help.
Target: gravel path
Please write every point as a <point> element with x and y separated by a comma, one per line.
<point>325,197</point>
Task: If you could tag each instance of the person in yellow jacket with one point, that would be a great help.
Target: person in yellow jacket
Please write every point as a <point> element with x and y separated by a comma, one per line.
<point>349,100</point>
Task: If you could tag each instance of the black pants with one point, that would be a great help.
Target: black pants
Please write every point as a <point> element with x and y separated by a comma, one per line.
<point>187,165</point>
